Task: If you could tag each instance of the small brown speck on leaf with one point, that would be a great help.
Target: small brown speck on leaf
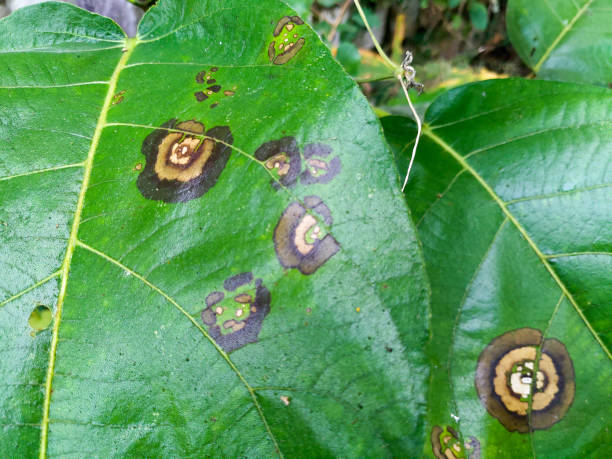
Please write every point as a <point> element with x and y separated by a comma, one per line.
<point>200,96</point>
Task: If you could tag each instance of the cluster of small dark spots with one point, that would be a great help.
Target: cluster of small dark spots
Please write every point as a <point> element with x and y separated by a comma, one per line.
<point>208,78</point>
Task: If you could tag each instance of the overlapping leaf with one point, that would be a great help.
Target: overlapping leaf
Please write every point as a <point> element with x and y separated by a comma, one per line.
<point>511,194</point>
<point>143,202</point>
<point>567,40</point>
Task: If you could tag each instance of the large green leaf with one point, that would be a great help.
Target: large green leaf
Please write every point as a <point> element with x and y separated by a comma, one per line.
<point>567,40</point>
<point>207,301</point>
<point>512,197</point>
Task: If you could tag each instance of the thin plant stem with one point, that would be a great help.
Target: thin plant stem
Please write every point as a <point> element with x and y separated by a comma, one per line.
<point>404,73</point>
<point>378,78</point>
<point>418,121</point>
<point>343,9</point>
<point>382,53</point>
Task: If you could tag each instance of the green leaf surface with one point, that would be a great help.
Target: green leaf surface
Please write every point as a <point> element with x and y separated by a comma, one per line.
<point>348,55</point>
<point>566,40</point>
<point>512,195</point>
<point>231,268</point>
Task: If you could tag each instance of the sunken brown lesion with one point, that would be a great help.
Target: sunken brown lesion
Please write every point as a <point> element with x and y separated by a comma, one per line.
<point>512,375</point>
<point>282,158</point>
<point>301,239</point>
<point>183,160</point>
<point>287,41</point>
<point>446,444</point>
<point>234,316</point>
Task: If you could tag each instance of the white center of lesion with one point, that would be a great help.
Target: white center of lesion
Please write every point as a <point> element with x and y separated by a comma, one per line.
<point>280,163</point>
<point>300,234</point>
<point>522,384</point>
<point>181,153</point>
<point>317,166</point>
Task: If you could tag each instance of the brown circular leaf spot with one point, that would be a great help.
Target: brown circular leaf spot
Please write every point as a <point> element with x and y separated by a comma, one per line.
<point>446,444</point>
<point>300,241</point>
<point>509,375</point>
<point>283,158</point>
<point>183,165</point>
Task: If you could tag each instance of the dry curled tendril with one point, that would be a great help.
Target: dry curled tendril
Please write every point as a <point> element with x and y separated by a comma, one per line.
<point>406,78</point>
<point>408,73</point>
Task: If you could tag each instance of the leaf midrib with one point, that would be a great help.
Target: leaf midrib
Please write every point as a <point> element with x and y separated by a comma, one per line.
<point>130,45</point>
<point>182,310</point>
<point>562,34</point>
<point>543,259</point>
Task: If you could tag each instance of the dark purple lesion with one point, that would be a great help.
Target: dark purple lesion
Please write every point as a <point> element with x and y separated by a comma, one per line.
<point>318,167</point>
<point>301,237</point>
<point>282,158</point>
<point>235,315</point>
<point>200,96</point>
